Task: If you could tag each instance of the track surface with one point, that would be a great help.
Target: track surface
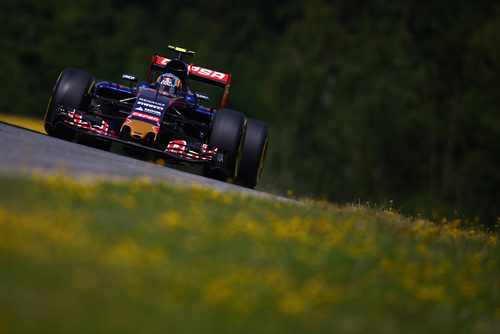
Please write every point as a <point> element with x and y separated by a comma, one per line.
<point>23,152</point>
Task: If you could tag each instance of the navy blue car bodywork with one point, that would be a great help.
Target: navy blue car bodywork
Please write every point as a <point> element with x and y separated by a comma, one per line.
<point>162,118</point>
<point>178,125</point>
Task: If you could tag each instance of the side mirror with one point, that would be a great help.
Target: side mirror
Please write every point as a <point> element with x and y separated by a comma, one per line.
<point>129,77</point>
<point>202,97</point>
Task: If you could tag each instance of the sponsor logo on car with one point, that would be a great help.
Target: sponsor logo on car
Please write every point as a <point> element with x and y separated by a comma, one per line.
<point>197,70</point>
<point>208,73</point>
<point>129,77</point>
<point>150,107</point>
<point>154,112</point>
<point>145,116</point>
<point>202,96</point>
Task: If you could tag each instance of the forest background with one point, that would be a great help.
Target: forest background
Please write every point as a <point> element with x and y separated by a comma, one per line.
<point>368,101</point>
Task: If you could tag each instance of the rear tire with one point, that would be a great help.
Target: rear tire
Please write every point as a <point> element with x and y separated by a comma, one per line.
<point>71,90</point>
<point>227,134</point>
<point>254,153</point>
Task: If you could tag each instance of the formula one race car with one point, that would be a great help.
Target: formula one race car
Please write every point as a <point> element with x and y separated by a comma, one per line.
<point>162,117</point>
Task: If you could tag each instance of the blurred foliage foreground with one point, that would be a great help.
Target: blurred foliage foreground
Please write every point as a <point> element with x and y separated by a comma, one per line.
<point>141,256</point>
<point>366,100</point>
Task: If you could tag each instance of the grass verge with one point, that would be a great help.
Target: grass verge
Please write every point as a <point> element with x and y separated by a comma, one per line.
<point>142,256</point>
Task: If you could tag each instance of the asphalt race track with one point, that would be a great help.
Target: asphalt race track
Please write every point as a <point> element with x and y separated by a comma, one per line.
<point>25,152</point>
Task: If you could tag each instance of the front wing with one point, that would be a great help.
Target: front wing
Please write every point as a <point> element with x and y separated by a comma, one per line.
<point>177,151</point>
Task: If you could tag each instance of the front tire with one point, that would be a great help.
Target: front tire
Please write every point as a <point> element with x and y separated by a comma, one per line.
<point>71,90</point>
<point>227,134</point>
<point>254,153</point>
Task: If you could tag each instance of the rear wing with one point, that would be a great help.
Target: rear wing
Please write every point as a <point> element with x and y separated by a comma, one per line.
<point>196,73</point>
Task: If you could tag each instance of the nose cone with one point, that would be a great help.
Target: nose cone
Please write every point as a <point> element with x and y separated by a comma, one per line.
<point>139,130</point>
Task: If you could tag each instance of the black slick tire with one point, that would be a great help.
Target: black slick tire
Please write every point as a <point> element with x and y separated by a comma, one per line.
<point>253,154</point>
<point>71,90</point>
<point>227,134</point>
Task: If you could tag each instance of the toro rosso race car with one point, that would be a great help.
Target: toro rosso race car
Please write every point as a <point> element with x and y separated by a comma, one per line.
<point>161,117</point>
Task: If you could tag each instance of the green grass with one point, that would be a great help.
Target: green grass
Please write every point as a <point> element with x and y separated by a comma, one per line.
<point>142,256</point>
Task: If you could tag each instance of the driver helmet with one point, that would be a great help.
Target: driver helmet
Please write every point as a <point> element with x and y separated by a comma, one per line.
<point>169,84</point>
